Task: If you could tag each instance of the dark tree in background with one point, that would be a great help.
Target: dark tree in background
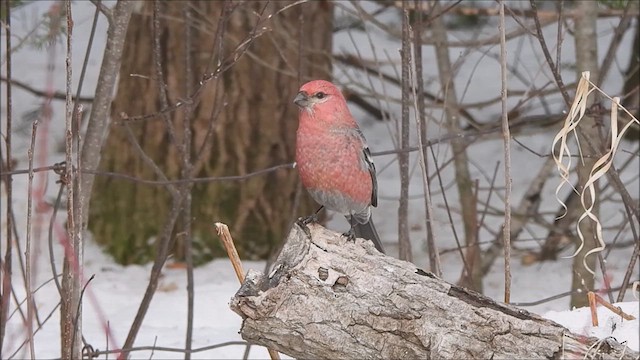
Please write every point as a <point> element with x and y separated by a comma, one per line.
<point>241,120</point>
<point>631,99</point>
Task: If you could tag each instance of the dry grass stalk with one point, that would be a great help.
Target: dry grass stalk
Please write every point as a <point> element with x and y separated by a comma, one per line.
<point>562,156</point>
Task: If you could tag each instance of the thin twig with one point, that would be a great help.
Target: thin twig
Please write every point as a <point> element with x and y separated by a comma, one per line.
<point>555,70</point>
<point>560,34</point>
<point>615,310</point>
<point>506,136</point>
<point>404,241</point>
<point>163,244</point>
<point>58,95</point>
<point>46,319</point>
<point>359,63</point>
<point>630,268</point>
<point>187,171</point>
<point>147,160</point>
<point>163,92</point>
<point>108,13</point>
<point>592,306</point>
<point>97,353</point>
<point>614,44</point>
<point>52,221</point>
<point>178,197</point>
<point>483,214</point>
<point>27,253</point>
<point>556,297</point>
<point>487,11</point>
<point>232,253</point>
<point>76,326</point>
<point>467,268</point>
<point>5,286</point>
<point>451,116</point>
<point>492,40</point>
<point>419,105</point>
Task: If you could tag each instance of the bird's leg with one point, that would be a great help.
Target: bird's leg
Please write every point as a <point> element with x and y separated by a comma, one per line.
<point>313,218</point>
<point>351,234</point>
<point>304,221</point>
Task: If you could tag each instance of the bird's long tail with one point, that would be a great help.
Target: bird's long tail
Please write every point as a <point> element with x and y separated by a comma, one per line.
<point>368,231</point>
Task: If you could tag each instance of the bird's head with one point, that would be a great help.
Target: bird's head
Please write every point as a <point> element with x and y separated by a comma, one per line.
<point>318,94</point>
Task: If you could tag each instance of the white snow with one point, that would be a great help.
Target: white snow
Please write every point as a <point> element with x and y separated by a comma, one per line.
<point>609,324</point>
<point>114,295</point>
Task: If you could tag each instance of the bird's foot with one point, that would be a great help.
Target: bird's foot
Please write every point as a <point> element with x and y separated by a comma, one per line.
<point>303,223</point>
<point>306,220</point>
<point>350,235</point>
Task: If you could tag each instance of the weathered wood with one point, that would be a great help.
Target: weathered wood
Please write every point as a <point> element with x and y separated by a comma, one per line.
<point>327,297</point>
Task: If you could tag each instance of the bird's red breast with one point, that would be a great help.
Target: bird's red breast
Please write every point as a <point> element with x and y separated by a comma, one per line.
<point>329,148</point>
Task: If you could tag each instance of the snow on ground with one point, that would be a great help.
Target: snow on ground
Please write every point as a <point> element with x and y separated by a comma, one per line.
<point>113,296</point>
<point>610,325</point>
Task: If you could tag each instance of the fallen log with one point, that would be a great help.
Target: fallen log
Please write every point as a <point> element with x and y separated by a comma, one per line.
<point>329,298</point>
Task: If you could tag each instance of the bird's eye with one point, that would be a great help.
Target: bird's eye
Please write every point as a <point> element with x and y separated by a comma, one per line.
<point>320,95</point>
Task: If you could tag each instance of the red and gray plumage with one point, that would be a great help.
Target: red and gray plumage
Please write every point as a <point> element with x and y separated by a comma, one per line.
<point>333,159</point>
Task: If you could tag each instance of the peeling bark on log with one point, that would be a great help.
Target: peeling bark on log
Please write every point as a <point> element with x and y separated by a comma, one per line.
<point>330,298</point>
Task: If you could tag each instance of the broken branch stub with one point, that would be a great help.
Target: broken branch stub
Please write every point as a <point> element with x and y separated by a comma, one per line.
<point>327,297</point>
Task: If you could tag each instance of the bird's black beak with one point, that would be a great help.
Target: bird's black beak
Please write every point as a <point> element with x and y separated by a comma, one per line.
<point>302,99</point>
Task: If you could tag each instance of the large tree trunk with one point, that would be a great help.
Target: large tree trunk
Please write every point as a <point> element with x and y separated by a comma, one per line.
<point>242,120</point>
<point>330,298</point>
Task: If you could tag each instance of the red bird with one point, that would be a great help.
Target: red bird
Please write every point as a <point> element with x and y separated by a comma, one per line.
<point>333,158</point>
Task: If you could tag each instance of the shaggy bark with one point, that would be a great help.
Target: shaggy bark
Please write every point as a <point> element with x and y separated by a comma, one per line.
<point>331,298</point>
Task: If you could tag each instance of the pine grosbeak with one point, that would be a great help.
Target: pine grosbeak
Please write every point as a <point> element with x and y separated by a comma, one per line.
<point>333,158</point>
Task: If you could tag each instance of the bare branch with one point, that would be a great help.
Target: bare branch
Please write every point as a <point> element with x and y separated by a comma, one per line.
<point>404,242</point>
<point>506,136</point>
<point>96,353</point>
<point>57,95</point>
<point>486,11</point>
<point>553,67</point>
<point>6,165</point>
<point>100,111</point>
<point>108,13</point>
